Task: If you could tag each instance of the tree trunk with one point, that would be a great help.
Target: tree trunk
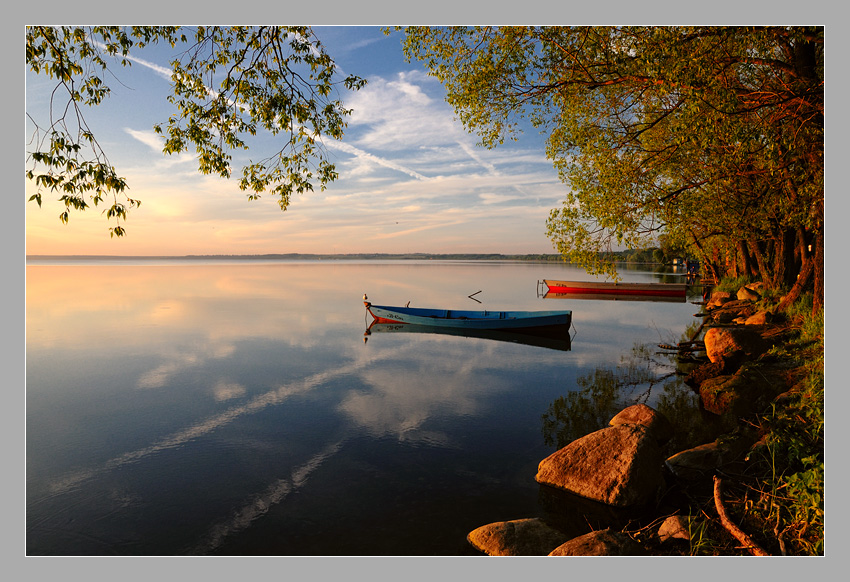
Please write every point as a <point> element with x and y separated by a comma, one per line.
<point>731,263</point>
<point>801,252</point>
<point>784,271</point>
<point>803,280</point>
<point>746,264</point>
<point>715,262</point>
<point>756,250</point>
<point>817,302</point>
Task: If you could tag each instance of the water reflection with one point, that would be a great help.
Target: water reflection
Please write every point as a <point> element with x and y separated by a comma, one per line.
<point>613,297</point>
<point>553,338</point>
<point>182,408</point>
<point>243,517</point>
<point>642,377</point>
<point>203,427</point>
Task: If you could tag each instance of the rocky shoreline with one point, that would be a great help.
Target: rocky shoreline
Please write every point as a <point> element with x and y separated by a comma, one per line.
<point>620,476</point>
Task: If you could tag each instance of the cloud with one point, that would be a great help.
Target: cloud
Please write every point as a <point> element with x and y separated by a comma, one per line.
<point>470,151</point>
<point>403,149</point>
<point>149,138</point>
<point>397,115</point>
<point>410,92</point>
<point>357,152</point>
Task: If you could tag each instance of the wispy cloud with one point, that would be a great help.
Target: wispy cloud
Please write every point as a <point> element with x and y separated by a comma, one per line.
<point>470,151</point>
<point>149,138</point>
<point>357,152</point>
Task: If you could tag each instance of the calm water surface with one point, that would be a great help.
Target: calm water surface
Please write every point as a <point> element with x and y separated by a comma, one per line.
<point>235,408</point>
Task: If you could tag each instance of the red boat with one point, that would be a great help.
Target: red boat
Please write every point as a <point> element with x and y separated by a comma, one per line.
<point>607,288</point>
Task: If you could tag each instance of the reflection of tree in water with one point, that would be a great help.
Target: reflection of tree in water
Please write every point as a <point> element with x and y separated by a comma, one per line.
<point>642,377</point>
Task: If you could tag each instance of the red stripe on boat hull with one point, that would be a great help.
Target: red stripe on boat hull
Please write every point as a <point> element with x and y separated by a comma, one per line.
<point>380,319</point>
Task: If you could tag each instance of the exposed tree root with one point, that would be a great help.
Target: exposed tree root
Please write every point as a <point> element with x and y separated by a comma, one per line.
<point>733,529</point>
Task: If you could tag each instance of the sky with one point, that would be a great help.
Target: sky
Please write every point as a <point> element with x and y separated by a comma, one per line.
<point>411,178</point>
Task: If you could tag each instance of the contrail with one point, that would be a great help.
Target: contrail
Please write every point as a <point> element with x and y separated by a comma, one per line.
<point>472,154</point>
<point>349,149</point>
<point>164,72</point>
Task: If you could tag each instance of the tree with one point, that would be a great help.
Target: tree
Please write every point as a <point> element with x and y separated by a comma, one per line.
<point>711,136</point>
<point>230,83</point>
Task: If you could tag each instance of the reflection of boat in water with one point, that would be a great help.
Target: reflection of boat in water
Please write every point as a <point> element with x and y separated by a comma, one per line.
<point>615,290</point>
<point>615,297</point>
<point>554,337</point>
<point>462,319</point>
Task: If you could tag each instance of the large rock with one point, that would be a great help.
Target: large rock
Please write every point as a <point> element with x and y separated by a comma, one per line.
<point>747,294</point>
<point>747,391</point>
<point>697,462</point>
<point>760,318</point>
<point>718,298</point>
<point>733,344</point>
<point>600,543</point>
<point>520,537</point>
<point>732,310</point>
<point>657,424</point>
<point>704,372</point>
<point>619,465</point>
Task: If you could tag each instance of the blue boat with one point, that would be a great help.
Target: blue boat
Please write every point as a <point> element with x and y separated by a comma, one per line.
<point>456,318</point>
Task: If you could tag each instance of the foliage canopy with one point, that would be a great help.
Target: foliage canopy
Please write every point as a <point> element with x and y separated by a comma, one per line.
<point>230,83</point>
<point>706,135</point>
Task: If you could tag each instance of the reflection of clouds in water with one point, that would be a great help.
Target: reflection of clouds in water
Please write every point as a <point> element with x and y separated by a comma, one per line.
<point>401,404</point>
<point>160,375</point>
<point>260,505</point>
<point>398,404</point>
<point>206,426</point>
<point>402,398</point>
<point>227,390</point>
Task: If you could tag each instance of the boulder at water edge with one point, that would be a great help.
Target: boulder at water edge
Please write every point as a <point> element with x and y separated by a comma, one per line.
<point>760,318</point>
<point>618,465</point>
<point>732,310</point>
<point>599,543</point>
<point>725,344</point>
<point>718,298</point>
<point>748,390</point>
<point>519,537</point>
<point>655,422</point>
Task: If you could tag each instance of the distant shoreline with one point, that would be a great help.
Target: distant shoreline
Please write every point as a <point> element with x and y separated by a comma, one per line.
<point>303,257</point>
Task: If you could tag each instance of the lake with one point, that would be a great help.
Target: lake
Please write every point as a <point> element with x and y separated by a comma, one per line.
<point>239,407</point>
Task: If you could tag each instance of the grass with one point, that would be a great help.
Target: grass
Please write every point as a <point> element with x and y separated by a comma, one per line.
<point>779,500</point>
<point>732,284</point>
